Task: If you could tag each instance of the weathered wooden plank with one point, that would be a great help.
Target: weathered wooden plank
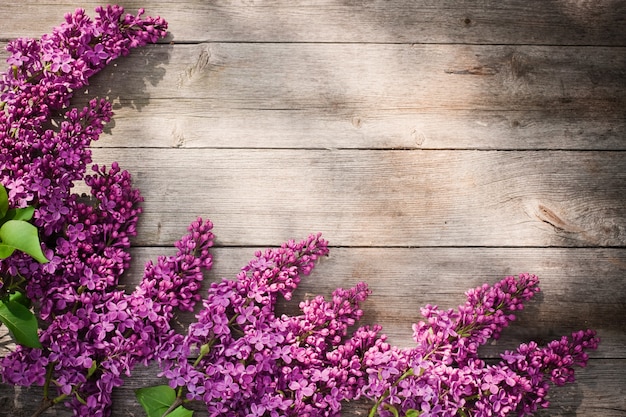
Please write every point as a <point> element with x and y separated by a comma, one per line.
<point>337,77</point>
<point>598,391</point>
<point>190,124</point>
<point>500,22</point>
<point>581,288</point>
<point>367,96</point>
<point>382,198</point>
<point>340,77</point>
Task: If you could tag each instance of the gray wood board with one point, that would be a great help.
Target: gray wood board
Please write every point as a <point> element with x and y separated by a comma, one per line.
<point>599,22</point>
<point>382,198</point>
<point>366,96</point>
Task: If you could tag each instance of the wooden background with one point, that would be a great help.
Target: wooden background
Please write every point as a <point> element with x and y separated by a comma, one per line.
<point>436,144</point>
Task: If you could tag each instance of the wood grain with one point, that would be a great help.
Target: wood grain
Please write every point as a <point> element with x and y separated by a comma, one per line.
<point>199,126</point>
<point>581,288</point>
<point>553,22</point>
<point>366,96</point>
<point>331,77</point>
<point>382,198</point>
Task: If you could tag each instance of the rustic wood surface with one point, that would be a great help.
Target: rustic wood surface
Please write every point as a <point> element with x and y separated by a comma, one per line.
<point>436,144</point>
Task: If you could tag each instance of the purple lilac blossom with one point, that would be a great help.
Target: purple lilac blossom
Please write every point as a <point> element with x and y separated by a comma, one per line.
<point>241,359</point>
<point>443,375</point>
<point>249,361</point>
<point>93,332</point>
<point>105,334</point>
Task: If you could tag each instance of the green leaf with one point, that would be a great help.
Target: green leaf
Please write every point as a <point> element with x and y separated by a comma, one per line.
<point>18,297</point>
<point>5,251</point>
<point>412,413</point>
<point>152,398</point>
<point>20,321</point>
<point>24,214</point>
<point>23,236</point>
<point>92,369</point>
<point>157,400</point>
<point>181,411</point>
<point>4,201</point>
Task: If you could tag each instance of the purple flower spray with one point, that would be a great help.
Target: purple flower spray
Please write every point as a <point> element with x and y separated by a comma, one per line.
<point>242,360</point>
<point>443,375</point>
<point>92,332</point>
<point>240,357</point>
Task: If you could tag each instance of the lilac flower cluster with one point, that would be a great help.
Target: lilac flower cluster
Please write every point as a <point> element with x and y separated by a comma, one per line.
<point>251,361</point>
<point>106,333</point>
<point>44,144</point>
<point>241,359</point>
<point>93,332</point>
<point>443,375</point>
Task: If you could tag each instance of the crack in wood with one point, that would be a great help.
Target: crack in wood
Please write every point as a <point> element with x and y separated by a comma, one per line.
<point>477,70</point>
<point>202,62</point>
<point>549,217</point>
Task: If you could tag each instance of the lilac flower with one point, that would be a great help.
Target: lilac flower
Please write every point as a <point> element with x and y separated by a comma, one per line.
<point>96,55</point>
<point>442,374</point>
<point>105,334</point>
<point>249,359</point>
<point>60,62</point>
<point>93,332</point>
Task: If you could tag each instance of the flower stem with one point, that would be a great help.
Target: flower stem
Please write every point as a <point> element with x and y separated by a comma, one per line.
<point>46,384</point>
<point>45,404</point>
<point>178,402</point>
<point>409,372</point>
<point>48,403</point>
